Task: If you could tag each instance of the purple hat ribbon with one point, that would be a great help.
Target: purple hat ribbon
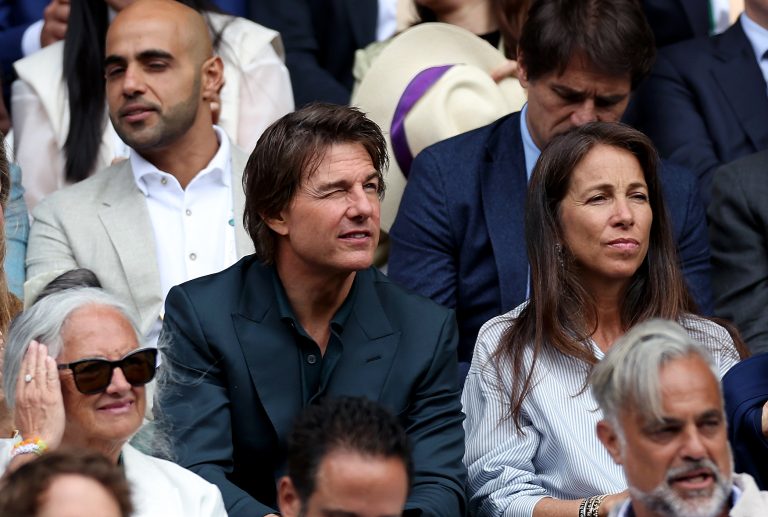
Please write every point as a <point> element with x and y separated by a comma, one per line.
<point>415,90</point>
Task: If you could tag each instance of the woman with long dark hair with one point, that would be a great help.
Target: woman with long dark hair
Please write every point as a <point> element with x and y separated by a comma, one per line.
<point>62,132</point>
<point>602,259</point>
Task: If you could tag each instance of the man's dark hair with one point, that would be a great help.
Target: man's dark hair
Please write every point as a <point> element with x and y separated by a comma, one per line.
<point>80,277</point>
<point>23,491</point>
<point>353,424</point>
<point>289,151</point>
<point>613,36</point>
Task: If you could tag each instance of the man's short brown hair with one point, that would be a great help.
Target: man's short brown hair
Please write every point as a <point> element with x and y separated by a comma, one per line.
<point>290,151</point>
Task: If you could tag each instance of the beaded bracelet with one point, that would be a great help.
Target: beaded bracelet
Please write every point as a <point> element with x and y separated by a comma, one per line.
<point>590,507</point>
<point>29,446</point>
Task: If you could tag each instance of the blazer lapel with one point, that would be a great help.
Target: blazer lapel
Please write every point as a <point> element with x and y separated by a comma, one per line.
<point>504,184</point>
<point>125,217</point>
<point>243,241</point>
<point>370,345</point>
<point>743,84</point>
<point>269,350</point>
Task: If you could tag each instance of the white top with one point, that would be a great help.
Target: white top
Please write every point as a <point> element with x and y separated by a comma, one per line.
<point>194,228</point>
<point>558,455</point>
<point>160,488</point>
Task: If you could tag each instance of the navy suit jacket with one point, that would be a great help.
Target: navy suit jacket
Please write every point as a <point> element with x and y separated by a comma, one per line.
<point>459,234</point>
<point>745,390</point>
<point>706,103</point>
<point>320,38</point>
<point>237,383</point>
<point>15,17</point>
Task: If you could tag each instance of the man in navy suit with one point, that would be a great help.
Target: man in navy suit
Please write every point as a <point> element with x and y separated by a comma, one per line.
<point>706,101</point>
<point>458,236</point>
<point>320,38</point>
<point>305,318</point>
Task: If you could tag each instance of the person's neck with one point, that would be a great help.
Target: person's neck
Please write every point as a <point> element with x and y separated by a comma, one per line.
<point>315,298</point>
<point>475,16</point>
<point>187,156</point>
<point>757,14</point>
<point>110,449</point>
<point>608,302</point>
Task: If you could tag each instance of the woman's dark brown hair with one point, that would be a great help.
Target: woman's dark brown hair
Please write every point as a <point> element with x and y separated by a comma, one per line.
<point>23,491</point>
<point>561,314</point>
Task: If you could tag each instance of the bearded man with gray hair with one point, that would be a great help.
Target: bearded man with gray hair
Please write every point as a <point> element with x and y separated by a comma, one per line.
<point>664,422</point>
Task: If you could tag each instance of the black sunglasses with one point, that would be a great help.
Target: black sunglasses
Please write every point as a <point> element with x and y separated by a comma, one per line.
<point>94,375</point>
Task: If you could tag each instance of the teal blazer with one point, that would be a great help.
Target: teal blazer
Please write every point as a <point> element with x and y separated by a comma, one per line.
<point>236,386</point>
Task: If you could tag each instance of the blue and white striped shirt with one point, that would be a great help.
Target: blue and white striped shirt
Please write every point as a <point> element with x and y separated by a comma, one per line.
<point>558,455</point>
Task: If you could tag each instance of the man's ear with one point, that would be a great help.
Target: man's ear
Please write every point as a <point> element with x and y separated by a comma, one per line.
<point>212,77</point>
<point>288,500</point>
<point>277,223</point>
<point>610,438</point>
<point>522,69</point>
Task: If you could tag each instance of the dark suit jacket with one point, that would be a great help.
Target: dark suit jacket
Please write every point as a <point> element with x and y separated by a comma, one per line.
<point>320,38</point>
<point>459,234</point>
<point>705,103</point>
<point>238,384</point>
<point>738,226</point>
<point>745,390</point>
<point>677,20</point>
<point>15,17</point>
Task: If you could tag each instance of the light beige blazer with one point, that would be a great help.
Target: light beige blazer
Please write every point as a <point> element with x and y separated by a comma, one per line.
<point>103,224</point>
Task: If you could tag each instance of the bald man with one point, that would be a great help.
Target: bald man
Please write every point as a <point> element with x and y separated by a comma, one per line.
<point>173,210</point>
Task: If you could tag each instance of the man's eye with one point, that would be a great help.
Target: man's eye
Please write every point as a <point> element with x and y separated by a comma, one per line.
<point>371,186</point>
<point>114,71</point>
<point>157,65</point>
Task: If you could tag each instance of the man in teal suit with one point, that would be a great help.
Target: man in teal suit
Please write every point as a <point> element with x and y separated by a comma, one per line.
<point>307,317</point>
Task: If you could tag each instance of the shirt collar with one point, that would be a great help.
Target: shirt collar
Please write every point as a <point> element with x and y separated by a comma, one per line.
<point>529,147</point>
<point>218,167</point>
<point>288,316</point>
<point>756,34</point>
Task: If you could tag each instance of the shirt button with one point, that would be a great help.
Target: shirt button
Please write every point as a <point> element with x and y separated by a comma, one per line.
<point>164,180</point>
<point>311,358</point>
<point>192,256</point>
<point>188,211</point>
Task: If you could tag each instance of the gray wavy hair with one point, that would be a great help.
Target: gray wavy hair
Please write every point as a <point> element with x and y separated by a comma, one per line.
<point>43,322</point>
<point>629,373</point>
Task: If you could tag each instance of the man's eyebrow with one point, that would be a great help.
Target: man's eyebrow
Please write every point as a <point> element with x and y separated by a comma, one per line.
<point>323,187</point>
<point>145,55</point>
<point>114,60</point>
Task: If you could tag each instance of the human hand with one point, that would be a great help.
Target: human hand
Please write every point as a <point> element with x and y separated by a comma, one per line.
<point>55,19</point>
<point>508,69</point>
<point>765,419</point>
<point>39,406</point>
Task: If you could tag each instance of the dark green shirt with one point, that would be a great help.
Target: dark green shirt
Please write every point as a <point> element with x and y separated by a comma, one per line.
<point>316,368</point>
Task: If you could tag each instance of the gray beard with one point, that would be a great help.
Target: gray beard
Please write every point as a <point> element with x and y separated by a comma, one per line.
<point>663,500</point>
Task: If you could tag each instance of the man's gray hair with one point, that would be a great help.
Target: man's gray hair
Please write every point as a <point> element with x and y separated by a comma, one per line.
<point>629,373</point>
<point>43,322</point>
